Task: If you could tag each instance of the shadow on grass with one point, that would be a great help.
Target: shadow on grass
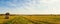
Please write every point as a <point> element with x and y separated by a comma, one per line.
<point>57,19</point>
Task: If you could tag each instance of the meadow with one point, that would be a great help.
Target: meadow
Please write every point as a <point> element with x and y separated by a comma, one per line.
<point>30,19</point>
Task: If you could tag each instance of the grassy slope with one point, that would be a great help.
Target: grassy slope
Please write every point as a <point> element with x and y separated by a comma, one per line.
<point>34,19</point>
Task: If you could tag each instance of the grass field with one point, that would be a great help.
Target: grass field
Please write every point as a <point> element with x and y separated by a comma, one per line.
<point>31,19</point>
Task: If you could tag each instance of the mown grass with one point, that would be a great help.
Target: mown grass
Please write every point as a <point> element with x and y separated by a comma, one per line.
<point>31,19</point>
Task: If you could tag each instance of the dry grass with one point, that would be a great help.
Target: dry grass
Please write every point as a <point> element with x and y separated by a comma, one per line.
<point>48,19</point>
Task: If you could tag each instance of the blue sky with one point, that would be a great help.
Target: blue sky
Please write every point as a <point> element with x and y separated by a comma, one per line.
<point>30,6</point>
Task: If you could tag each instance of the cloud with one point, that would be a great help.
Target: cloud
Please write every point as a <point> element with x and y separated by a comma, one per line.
<point>54,6</point>
<point>30,6</point>
<point>25,6</point>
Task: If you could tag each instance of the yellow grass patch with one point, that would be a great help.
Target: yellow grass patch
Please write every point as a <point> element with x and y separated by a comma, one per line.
<point>50,19</point>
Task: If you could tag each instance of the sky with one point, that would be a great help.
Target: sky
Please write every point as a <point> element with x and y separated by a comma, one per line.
<point>30,6</point>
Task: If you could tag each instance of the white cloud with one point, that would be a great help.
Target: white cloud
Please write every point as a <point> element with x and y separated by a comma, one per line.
<point>54,6</point>
<point>34,7</point>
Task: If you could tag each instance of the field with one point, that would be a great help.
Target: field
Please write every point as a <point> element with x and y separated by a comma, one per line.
<point>30,19</point>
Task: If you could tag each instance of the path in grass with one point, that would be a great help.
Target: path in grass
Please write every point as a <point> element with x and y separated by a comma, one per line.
<point>32,20</point>
<point>23,20</point>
